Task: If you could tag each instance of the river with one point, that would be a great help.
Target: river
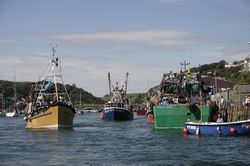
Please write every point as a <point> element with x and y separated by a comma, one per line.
<point>95,142</point>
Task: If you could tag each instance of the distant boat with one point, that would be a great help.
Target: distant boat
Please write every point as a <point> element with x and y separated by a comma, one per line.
<point>49,102</point>
<point>142,111</point>
<point>118,108</point>
<point>2,113</point>
<point>218,129</point>
<point>11,113</point>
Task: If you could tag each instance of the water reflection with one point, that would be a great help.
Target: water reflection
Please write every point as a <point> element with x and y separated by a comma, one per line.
<point>169,132</point>
<point>49,135</point>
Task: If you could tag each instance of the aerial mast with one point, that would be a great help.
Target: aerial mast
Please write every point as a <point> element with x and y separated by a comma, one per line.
<point>126,83</point>
<point>109,84</point>
<point>185,65</point>
<point>15,84</point>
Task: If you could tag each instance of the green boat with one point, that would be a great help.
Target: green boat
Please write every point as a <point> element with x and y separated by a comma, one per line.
<point>175,116</point>
<point>182,98</point>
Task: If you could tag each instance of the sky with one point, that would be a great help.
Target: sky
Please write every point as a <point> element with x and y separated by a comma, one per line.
<point>143,37</point>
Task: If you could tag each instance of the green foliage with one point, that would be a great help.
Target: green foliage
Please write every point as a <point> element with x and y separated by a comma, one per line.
<point>241,77</point>
<point>134,98</point>
<point>105,98</point>
<point>86,97</point>
<point>137,98</point>
<point>217,68</point>
<point>233,74</point>
<point>23,88</point>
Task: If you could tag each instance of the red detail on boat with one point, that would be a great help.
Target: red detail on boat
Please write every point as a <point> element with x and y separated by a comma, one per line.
<point>185,130</point>
<point>232,130</point>
<point>102,116</point>
<point>142,111</point>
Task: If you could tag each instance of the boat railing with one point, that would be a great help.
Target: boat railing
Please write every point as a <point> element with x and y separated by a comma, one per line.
<point>52,76</point>
<point>53,94</point>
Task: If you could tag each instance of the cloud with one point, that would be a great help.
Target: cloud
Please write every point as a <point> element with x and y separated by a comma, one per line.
<point>177,3</point>
<point>171,1</point>
<point>229,53</point>
<point>28,67</point>
<point>89,74</point>
<point>162,37</point>
<point>243,5</point>
<point>7,41</point>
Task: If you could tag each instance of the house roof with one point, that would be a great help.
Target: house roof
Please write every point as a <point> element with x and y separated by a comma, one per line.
<point>211,81</point>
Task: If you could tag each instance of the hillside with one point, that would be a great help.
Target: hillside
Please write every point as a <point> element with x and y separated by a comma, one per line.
<point>236,73</point>
<point>134,98</point>
<point>23,88</point>
<point>137,98</point>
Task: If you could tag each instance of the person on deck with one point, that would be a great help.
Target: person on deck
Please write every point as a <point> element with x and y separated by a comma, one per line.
<point>219,119</point>
<point>165,102</point>
<point>247,101</point>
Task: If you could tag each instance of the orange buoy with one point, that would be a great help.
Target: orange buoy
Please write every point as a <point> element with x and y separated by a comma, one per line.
<point>150,118</point>
<point>185,130</point>
<point>232,130</point>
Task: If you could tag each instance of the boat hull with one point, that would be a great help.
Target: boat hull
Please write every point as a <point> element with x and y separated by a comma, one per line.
<point>142,111</point>
<point>11,114</point>
<point>175,116</point>
<point>116,114</point>
<point>55,116</point>
<point>216,129</point>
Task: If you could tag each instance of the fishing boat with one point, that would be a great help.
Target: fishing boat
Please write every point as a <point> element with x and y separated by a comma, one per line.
<point>12,111</point>
<point>142,111</point>
<point>50,105</point>
<point>218,129</point>
<point>178,100</point>
<point>118,107</point>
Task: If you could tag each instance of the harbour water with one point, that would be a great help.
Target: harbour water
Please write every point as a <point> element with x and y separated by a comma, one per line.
<point>95,142</point>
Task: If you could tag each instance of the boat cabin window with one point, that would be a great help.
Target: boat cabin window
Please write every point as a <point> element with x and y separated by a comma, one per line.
<point>192,88</point>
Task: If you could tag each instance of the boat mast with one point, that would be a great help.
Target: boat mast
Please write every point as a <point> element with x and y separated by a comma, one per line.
<point>54,65</point>
<point>80,99</point>
<point>15,84</point>
<point>109,84</point>
<point>185,65</point>
<point>201,103</point>
<point>126,83</point>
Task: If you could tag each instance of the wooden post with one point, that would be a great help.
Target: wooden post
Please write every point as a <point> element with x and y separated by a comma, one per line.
<point>201,107</point>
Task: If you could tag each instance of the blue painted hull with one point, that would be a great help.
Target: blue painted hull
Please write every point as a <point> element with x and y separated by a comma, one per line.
<point>217,129</point>
<point>116,114</point>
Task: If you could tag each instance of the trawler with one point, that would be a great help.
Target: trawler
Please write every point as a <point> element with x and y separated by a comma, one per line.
<point>180,100</point>
<point>118,107</point>
<point>50,105</point>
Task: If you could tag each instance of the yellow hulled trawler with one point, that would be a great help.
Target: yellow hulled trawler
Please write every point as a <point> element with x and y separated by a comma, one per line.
<point>49,102</point>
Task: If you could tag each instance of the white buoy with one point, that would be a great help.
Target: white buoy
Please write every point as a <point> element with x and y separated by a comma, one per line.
<point>197,131</point>
<point>218,130</point>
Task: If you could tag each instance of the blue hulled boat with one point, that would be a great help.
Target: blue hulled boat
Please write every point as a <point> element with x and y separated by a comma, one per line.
<point>218,129</point>
<point>116,114</point>
<point>118,108</point>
